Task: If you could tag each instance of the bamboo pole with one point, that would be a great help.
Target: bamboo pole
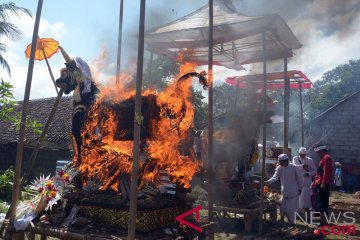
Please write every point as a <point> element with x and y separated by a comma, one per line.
<point>286,105</point>
<point>50,71</point>
<point>301,114</point>
<point>61,109</point>
<point>41,139</point>
<point>59,233</point>
<point>46,127</point>
<point>25,108</point>
<point>119,42</point>
<point>211,112</point>
<point>264,135</point>
<point>137,125</point>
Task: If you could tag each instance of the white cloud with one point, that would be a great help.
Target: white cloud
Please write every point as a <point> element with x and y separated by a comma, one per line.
<point>57,30</point>
<point>42,85</point>
<point>322,52</point>
<point>26,25</point>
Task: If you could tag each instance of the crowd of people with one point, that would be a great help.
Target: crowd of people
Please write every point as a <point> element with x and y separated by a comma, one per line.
<point>305,187</point>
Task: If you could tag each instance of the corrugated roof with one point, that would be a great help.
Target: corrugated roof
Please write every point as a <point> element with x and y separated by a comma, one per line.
<point>39,110</point>
<point>237,38</point>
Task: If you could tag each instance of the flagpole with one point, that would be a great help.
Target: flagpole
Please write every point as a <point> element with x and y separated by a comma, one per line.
<point>301,114</point>
<point>286,105</point>
<point>119,42</point>
<point>137,125</point>
<point>211,111</point>
<point>264,135</point>
<point>25,109</point>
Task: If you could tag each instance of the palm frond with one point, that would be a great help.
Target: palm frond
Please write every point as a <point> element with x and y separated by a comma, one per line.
<point>11,8</point>
<point>2,47</point>
<point>5,65</point>
<point>9,30</point>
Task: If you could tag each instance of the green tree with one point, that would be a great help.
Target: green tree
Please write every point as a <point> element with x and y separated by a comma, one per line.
<point>201,109</point>
<point>6,100</point>
<point>8,29</point>
<point>6,185</point>
<point>159,73</point>
<point>7,114</point>
<point>335,85</point>
<point>225,98</point>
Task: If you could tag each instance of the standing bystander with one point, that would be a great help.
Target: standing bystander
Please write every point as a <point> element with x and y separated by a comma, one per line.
<point>308,170</point>
<point>291,185</point>
<point>322,181</point>
<point>338,177</point>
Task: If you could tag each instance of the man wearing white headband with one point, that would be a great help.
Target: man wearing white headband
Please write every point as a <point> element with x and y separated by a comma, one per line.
<point>308,170</point>
<point>291,185</point>
<point>322,181</point>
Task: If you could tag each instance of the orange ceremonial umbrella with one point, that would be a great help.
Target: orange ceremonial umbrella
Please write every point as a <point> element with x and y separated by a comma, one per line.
<point>45,48</point>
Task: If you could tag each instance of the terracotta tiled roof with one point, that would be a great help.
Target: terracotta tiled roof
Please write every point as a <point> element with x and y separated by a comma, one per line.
<point>39,110</point>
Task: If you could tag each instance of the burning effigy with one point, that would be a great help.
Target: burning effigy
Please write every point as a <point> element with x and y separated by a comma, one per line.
<point>102,126</point>
<point>108,133</point>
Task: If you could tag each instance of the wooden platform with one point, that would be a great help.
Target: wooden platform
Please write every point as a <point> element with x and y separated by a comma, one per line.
<point>224,214</point>
<point>72,234</point>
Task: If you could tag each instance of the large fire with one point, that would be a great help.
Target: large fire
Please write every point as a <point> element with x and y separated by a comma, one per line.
<point>107,148</point>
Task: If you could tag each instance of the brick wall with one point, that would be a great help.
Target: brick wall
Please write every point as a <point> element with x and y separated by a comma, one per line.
<point>340,129</point>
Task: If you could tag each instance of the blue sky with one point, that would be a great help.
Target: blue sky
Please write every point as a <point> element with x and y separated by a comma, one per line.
<point>85,28</point>
<point>91,24</point>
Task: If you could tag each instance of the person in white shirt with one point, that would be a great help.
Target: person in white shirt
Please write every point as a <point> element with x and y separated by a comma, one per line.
<point>308,170</point>
<point>291,185</point>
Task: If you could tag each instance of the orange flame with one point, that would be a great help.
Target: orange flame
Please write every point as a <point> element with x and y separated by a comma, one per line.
<point>107,159</point>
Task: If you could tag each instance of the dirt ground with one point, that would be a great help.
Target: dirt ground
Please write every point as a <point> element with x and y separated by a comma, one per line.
<point>339,202</point>
<point>233,229</point>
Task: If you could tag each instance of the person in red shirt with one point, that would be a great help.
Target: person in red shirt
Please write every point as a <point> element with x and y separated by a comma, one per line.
<point>323,180</point>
